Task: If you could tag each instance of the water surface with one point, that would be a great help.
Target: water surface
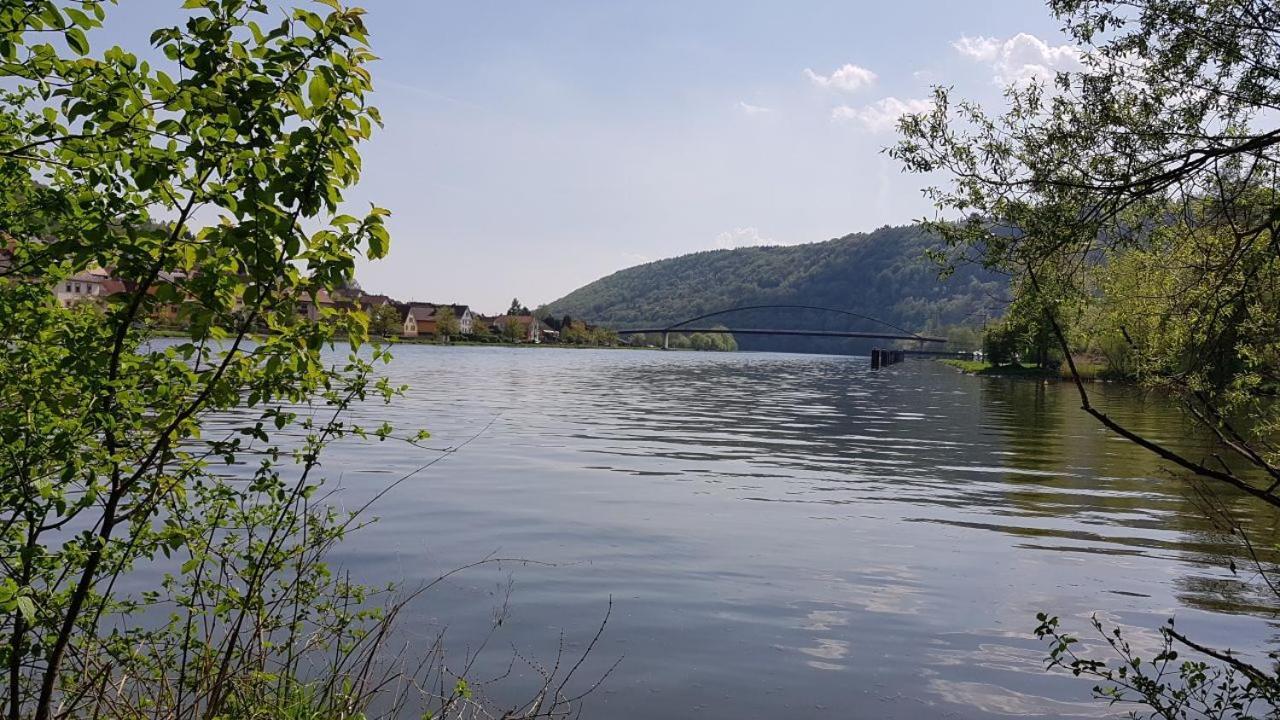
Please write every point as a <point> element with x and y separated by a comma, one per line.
<point>783,535</point>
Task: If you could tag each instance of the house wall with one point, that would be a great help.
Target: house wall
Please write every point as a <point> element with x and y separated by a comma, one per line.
<point>74,289</point>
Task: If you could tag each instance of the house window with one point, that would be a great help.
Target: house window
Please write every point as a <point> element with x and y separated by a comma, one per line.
<point>68,287</point>
<point>77,288</point>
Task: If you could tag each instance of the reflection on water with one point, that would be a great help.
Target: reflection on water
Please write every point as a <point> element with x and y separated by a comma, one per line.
<point>788,536</point>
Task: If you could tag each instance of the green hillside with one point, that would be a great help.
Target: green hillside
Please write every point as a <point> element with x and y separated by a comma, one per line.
<point>884,274</point>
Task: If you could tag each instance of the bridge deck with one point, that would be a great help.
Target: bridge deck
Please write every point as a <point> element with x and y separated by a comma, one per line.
<point>801,333</point>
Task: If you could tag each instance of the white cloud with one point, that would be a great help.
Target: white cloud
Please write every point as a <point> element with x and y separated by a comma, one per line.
<point>741,237</point>
<point>631,258</point>
<point>1021,58</point>
<point>849,78</point>
<point>750,109</point>
<point>882,114</point>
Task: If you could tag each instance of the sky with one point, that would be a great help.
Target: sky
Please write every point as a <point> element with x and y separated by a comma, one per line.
<point>533,146</point>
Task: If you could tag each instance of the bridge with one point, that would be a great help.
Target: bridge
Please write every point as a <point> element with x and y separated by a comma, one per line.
<point>893,332</point>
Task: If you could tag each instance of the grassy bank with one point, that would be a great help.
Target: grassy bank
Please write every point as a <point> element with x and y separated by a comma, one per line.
<point>979,367</point>
<point>1088,370</point>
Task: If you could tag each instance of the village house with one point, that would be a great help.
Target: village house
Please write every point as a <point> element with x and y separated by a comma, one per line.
<point>98,285</point>
<point>368,301</point>
<point>466,318</point>
<point>87,285</point>
<point>420,318</point>
<point>310,308</point>
<point>530,327</point>
<point>417,319</point>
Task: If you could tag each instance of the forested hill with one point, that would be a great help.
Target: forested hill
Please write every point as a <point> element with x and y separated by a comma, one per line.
<point>884,274</point>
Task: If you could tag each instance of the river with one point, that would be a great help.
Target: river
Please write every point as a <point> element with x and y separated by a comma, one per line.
<point>783,536</point>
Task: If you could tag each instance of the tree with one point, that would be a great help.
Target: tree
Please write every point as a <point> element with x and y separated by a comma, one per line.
<point>1155,167</point>
<point>960,336</point>
<point>517,308</point>
<point>603,336</point>
<point>446,323</point>
<point>1025,333</point>
<point>1000,344</point>
<point>108,462</point>
<point>701,341</point>
<point>575,333</point>
<point>480,330</point>
<point>384,320</point>
<point>513,330</point>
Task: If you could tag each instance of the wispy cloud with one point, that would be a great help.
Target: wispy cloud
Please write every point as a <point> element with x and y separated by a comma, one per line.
<point>750,109</point>
<point>631,258</point>
<point>849,78</point>
<point>741,237</point>
<point>881,115</point>
<point>1021,58</point>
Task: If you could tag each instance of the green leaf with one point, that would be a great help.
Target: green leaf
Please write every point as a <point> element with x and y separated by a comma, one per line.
<point>379,242</point>
<point>318,90</point>
<point>146,176</point>
<point>77,41</point>
<point>79,18</point>
<point>27,608</point>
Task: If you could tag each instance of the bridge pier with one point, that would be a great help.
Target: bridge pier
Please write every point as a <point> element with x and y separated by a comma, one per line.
<point>883,357</point>
<point>666,337</point>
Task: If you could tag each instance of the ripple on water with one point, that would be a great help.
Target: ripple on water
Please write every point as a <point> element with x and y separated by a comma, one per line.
<point>687,487</point>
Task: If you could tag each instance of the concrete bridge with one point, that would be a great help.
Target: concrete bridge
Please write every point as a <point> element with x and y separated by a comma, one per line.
<point>890,331</point>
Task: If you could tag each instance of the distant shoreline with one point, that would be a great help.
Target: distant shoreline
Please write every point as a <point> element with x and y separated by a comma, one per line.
<point>172,333</point>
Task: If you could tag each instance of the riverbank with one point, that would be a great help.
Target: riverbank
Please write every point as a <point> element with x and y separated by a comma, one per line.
<point>1088,371</point>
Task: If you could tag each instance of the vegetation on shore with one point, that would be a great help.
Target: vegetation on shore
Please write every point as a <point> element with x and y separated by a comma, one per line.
<point>981,367</point>
<point>1133,204</point>
<point>1087,369</point>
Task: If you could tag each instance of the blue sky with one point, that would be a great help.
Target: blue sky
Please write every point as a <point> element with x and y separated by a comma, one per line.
<point>533,146</point>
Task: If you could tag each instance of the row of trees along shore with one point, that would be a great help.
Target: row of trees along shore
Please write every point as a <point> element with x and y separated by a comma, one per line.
<point>210,173</point>
<point>1135,205</point>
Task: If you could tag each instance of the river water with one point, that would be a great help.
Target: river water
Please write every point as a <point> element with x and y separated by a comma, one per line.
<point>783,536</point>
